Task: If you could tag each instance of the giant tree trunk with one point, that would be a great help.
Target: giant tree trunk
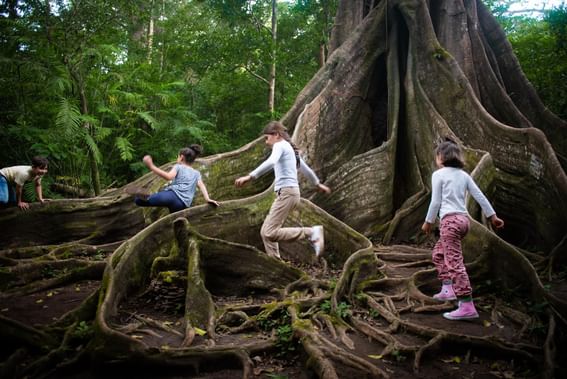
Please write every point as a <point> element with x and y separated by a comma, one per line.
<point>402,75</point>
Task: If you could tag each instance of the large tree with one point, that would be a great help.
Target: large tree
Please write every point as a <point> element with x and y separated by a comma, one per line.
<point>401,76</point>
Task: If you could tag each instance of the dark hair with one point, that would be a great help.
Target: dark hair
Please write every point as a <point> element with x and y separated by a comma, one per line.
<point>450,154</point>
<point>191,153</point>
<point>39,161</point>
<point>276,127</point>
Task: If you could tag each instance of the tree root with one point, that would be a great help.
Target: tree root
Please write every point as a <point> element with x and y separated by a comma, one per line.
<point>322,352</point>
<point>74,271</point>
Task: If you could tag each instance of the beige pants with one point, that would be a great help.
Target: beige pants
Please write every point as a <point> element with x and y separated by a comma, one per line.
<point>287,199</point>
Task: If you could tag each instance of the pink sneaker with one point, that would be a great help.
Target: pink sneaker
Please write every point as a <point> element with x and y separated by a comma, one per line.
<point>446,293</point>
<point>466,311</point>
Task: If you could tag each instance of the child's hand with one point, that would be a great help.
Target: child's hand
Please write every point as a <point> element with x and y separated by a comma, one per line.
<point>213,202</point>
<point>323,188</point>
<point>148,161</point>
<point>242,180</point>
<point>498,223</point>
<point>23,205</point>
<point>426,227</point>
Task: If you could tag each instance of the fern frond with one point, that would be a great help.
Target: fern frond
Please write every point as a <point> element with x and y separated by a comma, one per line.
<point>149,119</point>
<point>68,118</point>
<point>125,148</point>
<point>93,147</point>
<point>101,133</point>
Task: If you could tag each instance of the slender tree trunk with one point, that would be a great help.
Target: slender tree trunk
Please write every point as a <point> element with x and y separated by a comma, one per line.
<point>272,79</point>
<point>163,45</point>
<point>322,56</point>
<point>150,42</point>
<point>93,164</point>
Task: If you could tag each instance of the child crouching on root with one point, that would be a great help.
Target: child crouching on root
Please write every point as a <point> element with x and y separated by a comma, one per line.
<point>179,194</point>
<point>17,176</point>
<point>285,161</point>
<point>449,185</point>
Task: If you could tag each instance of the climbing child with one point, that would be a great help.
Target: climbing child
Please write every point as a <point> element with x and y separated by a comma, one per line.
<point>179,194</point>
<point>19,175</point>
<point>285,161</point>
<point>449,185</point>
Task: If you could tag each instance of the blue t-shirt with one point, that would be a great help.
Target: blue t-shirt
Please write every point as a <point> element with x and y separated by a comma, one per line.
<point>184,184</point>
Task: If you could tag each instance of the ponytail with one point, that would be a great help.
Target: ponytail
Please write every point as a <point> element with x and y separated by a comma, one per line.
<point>191,153</point>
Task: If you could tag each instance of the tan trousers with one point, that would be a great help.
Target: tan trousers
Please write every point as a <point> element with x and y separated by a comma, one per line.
<point>287,199</point>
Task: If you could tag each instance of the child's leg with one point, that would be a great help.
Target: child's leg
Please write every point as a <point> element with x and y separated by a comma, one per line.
<point>162,199</point>
<point>438,258</point>
<point>272,230</point>
<point>453,229</point>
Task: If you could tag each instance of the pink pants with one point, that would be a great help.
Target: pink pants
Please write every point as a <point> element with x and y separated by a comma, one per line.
<point>448,256</point>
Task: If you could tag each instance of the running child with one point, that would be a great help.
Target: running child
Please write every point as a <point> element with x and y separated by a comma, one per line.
<point>285,161</point>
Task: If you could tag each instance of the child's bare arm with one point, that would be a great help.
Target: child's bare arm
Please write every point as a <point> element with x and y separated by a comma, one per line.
<point>205,193</point>
<point>148,161</point>
<point>21,204</point>
<point>39,191</point>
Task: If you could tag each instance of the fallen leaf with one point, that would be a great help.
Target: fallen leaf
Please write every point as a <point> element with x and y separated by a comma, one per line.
<point>486,323</point>
<point>200,332</point>
<point>375,356</point>
<point>452,360</point>
<point>49,294</point>
<point>39,301</point>
<point>135,336</point>
<point>5,309</point>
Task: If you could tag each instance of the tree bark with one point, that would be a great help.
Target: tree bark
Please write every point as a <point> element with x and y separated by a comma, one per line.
<point>401,76</point>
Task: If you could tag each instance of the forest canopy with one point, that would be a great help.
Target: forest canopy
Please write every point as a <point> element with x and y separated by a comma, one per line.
<point>96,85</point>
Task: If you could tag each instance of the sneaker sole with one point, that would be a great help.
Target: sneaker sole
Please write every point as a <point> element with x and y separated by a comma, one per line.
<point>448,317</point>
<point>447,299</point>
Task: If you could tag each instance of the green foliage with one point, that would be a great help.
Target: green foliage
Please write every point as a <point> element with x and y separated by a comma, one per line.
<point>80,80</point>
<point>540,43</point>
<point>343,309</point>
<point>279,320</point>
<point>83,330</point>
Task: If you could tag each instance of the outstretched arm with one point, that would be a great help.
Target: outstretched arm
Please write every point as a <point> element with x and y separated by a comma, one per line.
<point>148,161</point>
<point>309,174</point>
<point>38,191</point>
<point>205,193</point>
<point>21,204</point>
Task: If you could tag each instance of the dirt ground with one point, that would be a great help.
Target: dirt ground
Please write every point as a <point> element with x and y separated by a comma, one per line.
<point>163,303</point>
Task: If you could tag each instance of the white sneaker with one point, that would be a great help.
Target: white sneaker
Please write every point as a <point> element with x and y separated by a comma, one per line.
<point>318,239</point>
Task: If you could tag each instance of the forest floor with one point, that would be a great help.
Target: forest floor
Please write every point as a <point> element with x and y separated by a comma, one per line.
<point>159,309</point>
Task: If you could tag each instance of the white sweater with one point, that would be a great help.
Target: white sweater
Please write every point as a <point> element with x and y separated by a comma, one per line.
<point>449,186</point>
<point>282,160</point>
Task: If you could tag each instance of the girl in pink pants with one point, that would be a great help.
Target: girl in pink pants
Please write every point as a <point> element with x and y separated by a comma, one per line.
<point>449,186</point>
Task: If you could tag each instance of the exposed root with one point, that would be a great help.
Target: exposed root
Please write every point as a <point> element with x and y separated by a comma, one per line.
<point>73,271</point>
<point>550,350</point>
<point>157,324</point>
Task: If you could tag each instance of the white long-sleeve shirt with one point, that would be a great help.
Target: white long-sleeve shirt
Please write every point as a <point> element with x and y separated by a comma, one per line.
<point>282,160</point>
<point>449,186</point>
